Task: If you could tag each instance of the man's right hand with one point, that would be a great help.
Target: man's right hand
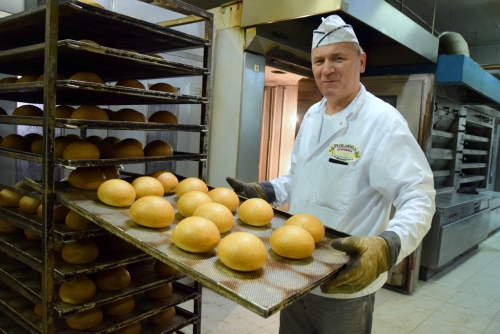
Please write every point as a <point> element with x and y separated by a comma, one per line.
<point>247,190</point>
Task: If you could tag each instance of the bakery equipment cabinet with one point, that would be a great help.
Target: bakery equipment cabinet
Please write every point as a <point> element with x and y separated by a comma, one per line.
<point>53,39</point>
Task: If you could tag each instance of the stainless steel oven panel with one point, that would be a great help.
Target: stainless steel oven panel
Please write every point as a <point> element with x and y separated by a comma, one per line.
<point>458,237</point>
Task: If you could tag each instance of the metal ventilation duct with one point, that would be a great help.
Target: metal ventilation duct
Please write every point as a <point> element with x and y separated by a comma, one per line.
<point>282,31</point>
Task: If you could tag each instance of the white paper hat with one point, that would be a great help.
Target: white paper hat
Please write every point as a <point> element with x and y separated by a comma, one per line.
<point>333,30</point>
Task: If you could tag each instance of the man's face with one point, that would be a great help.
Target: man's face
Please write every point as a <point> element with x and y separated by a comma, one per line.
<point>336,69</point>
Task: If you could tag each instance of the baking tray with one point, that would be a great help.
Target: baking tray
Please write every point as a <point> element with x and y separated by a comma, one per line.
<point>30,253</point>
<point>177,156</point>
<point>266,291</point>
<point>74,92</point>
<point>28,282</point>
<point>75,56</point>
<point>82,21</point>
<point>21,309</point>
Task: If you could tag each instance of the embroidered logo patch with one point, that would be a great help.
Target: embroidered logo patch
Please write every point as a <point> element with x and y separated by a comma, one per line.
<point>344,152</point>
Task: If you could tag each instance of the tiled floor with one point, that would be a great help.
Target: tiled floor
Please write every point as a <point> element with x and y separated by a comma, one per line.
<point>464,298</point>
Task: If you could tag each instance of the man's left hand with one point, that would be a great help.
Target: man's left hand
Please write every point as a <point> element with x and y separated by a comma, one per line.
<point>369,259</point>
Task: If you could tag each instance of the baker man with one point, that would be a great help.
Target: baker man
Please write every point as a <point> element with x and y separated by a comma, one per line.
<point>353,158</point>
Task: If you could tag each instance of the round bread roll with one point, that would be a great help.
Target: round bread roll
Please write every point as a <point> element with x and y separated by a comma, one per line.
<point>196,235</point>
<point>152,211</point>
<point>161,291</point>
<point>163,87</point>
<point>128,115</point>
<point>73,137</point>
<point>8,80</point>
<point>6,227</point>
<point>158,148</point>
<point>77,291</point>
<point>9,198</point>
<point>81,251</point>
<point>105,148</point>
<point>116,192</point>
<point>94,138</point>
<point>77,222</point>
<point>119,307</point>
<point>112,140</point>
<point>87,77</point>
<point>128,148</point>
<point>164,270</point>
<point>33,137</point>
<point>86,178</point>
<point>85,319</point>
<point>162,317</point>
<point>88,111</point>
<point>190,201</point>
<point>58,77</point>
<point>133,328</point>
<point>189,184</point>
<point>255,212</point>
<point>310,223</point>
<point>242,251</point>
<point>37,146</point>
<point>32,235</point>
<point>110,171</point>
<point>147,186</point>
<point>28,110</point>
<point>64,111</point>
<point>29,204</point>
<point>163,116</point>
<point>292,242</point>
<point>217,214</point>
<point>114,279</point>
<point>60,144</point>
<point>38,309</point>
<point>226,197</point>
<point>59,214</point>
<point>168,180</point>
<point>81,150</point>
<point>132,83</point>
<point>16,142</point>
<point>27,78</point>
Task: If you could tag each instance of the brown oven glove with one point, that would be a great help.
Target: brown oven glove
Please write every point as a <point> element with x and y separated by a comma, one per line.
<point>369,257</point>
<point>262,190</point>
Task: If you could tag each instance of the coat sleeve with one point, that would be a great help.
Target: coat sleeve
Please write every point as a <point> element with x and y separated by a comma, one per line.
<point>400,172</point>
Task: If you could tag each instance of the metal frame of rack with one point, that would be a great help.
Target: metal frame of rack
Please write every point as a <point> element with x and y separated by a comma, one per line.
<point>158,37</point>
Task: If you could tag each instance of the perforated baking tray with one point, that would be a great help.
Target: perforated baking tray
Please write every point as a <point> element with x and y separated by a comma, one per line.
<point>266,291</point>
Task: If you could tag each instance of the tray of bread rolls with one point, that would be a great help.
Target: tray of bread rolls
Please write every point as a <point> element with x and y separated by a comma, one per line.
<point>276,284</point>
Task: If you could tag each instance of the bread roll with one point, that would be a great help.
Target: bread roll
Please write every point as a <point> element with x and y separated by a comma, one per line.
<point>196,235</point>
<point>92,112</point>
<point>226,197</point>
<point>119,307</point>
<point>114,279</point>
<point>167,179</point>
<point>164,116</point>
<point>116,192</point>
<point>8,80</point>
<point>6,227</point>
<point>147,186</point>
<point>132,83</point>
<point>162,317</point>
<point>152,211</point>
<point>242,251</point>
<point>256,212</point>
<point>16,142</point>
<point>29,204</point>
<point>128,115</point>
<point>161,291</point>
<point>81,251</point>
<point>190,201</point>
<point>58,77</point>
<point>9,198</point>
<point>81,150</point>
<point>28,110</point>
<point>310,223</point>
<point>27,78</point>
<point>190,183</point>
<point>77,222</point>
<point>158,148</point>
<point>64,111</point>
<point>86,76</point>
<point>292,242</point>
<point>217,214</point>
<point>128,148</point>
<point>77,291</point>
<point>85,319</point>
<point>163,87</point>
<point>86,178</point>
